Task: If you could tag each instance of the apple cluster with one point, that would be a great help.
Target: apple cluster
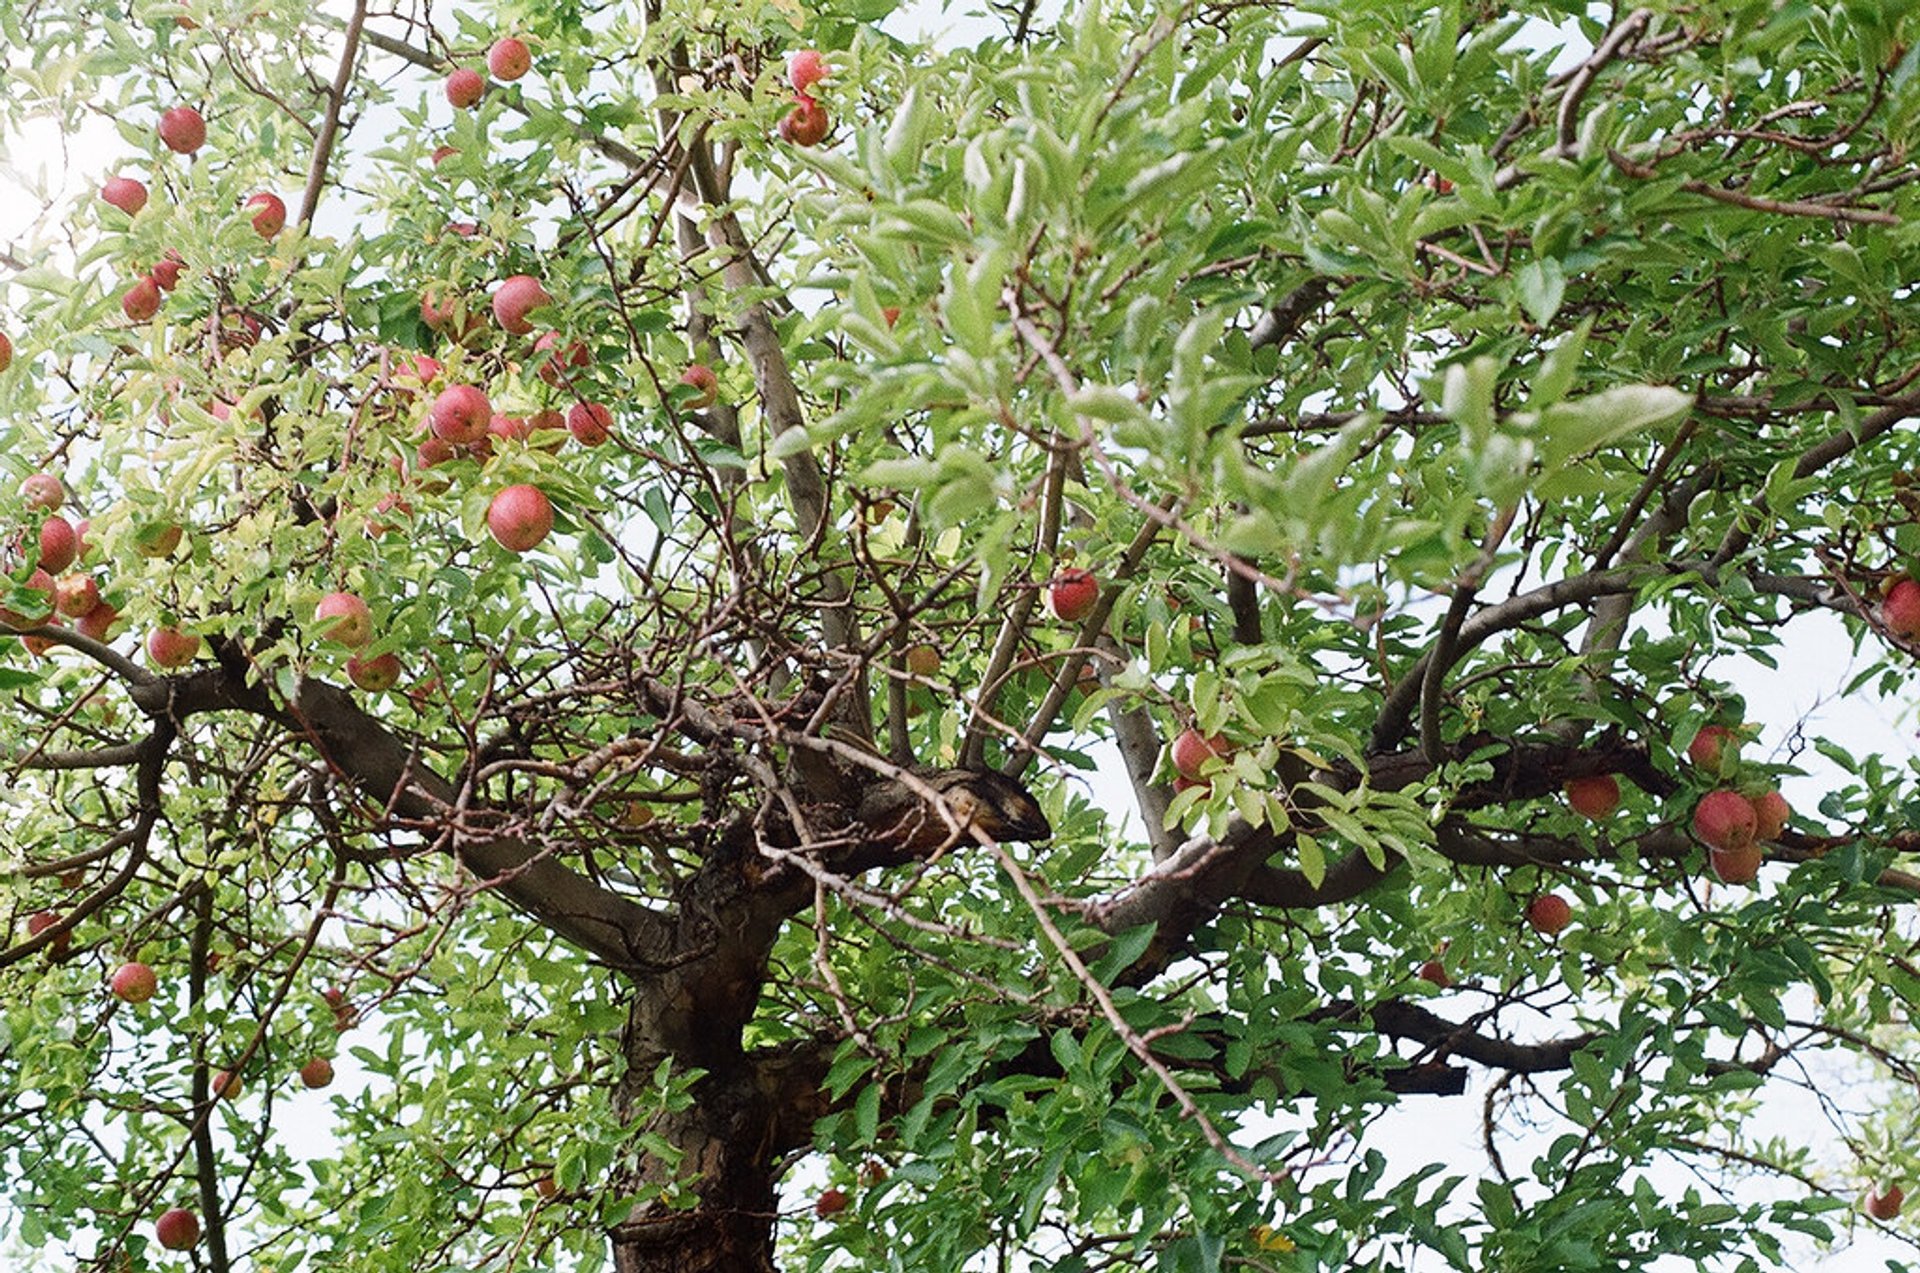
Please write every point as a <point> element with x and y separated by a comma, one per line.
<point>806,124</point>
<point>52,545</point>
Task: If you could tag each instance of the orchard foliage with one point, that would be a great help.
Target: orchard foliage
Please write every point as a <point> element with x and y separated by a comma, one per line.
<point>756,838</point>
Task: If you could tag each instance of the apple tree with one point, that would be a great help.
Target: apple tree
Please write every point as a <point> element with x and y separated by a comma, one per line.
<point>717,638</point>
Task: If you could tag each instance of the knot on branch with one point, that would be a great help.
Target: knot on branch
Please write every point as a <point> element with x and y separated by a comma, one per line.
<point>923,813</point>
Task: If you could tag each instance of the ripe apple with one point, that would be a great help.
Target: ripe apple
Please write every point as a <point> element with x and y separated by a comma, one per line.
<point>172,648</point>
<point>515,298</point>
<point>1713,747</point>
<point>1883,1201</point>
<point>461,415</point>
<point>182,130</point>
<point>701,377</point>
<point>272,214</point>
<point>440,313</point>
<point>1770,812</point>
<point>177,1230</point>
<point>224,1084</point>
<point>546,1187</point>
<point>39,922</point>
<point>134,983</point>
<point>157,539</point>
<point>343,619</point>
<point>1436,972</point>
<point>509,428</point>
<point>806,124</point>
<point>59,545</point>
<point>125,194</point>
<point>1071,594</point>
<point>75,595</point>
<point>891,313</point>
<point>98,622</point>
<point>519,517</point>
<point>590,423</point>
<point>381,672</point>
<point>923,661</point>
<point>1549,913</point>
<point>509,59</point>
<point>805,68</point>
<point>166,271</point>
<point>1900,610</point>
<point>559,359</point>
<point>43,490</point>
<point>141,301</point>
<point>1738,865</point>
<point>42,582</point>
<point>316,1073</point>
<point>443,152</point>
<point>464,88</point>
<point>1725,819</point>
<point>6,352</point>
<point>1595,797</point>
<point>1192,750</point>
<point>831,1202</point>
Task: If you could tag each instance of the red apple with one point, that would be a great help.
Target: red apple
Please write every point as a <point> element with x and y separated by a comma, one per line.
<point>560,359</point>
<point>59,545</point>
<point>134,983</point>
<point>701,377</point>
<point>272,214</point>
<point>590,423</point>
<point>6,352</point>
<point>464,88</point>
<point>546,1187</point>
<point>381,672</point>
<point>806,124</point>
<point>125,194</point>
<point>343,619</point>
<point>1193,749</point>
<point>1595,797</point>
<point>76,595</point>
<point>1713,746</point>
<point>316,1073</point>
<point>891,313</point>
<point>1071,594</point>
<point>172,648</point>
<point>141,301</point>
<point>509,59</point>
<point>440,314</point>
<point>98,622</point>
<point>461,415</point>
<point>177,1230</point>
<point>1436,972</point>
<point>1549,913</point>
<point>224,1084</point>
<point>831,1202</point>
<point>1770,813</point>
<point>1738,865</point>
<point>805,68</point>
<point>1900,610</point>
<point>443,152</point>
<point>39,581</point>
<point>509,428</point>
<point>182,130</point>
<point>166,271</point>
<point>39,922</point>
<point>43,490</point>
<point>1725,819</point>
<point>519,517</point>
<point>1883,1201</point>
<point>515,298</point>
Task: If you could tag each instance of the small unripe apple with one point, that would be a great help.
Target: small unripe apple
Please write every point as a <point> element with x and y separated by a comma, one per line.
<point>177,1230</point>
<point>1883,1201</point>
<point>1596,796</point>
<point>59,545</point>
<point>157,539</point>
<point>515,298</point>
<point>1737,865</point>
<point>519,517</point>
<point>1549,913</point>
<point>560,358</point>
<point>98,622</point>
<point>1900,610</point>
<point>343,619</point>
<point>1071,594</point>
<point>141,301</point>
<point>701,377</point>
<point>134,983</point>
<point>43,490</point>
<point>166,271</point>
<point>1435,972</point>
<point>509,59</point>
<point>831,1202</point>
<point>125,194</point>
<point>182,130</point>
<point>923,661</point>
<point>1713,747</point>
<point>270,216</point>
<point>806,124</point>
<point>590,423</point>
<point>172,648</point>
<point>39,922</point>
<point>1770,813</point>
<point>805,68</point>
<point>316,1073</point>
<point>464,88</point>
<point>461,415</point>
<point>1192,750</point>
<point>381,672</point>
<point>1725,819</point>
<point>75,595</point>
